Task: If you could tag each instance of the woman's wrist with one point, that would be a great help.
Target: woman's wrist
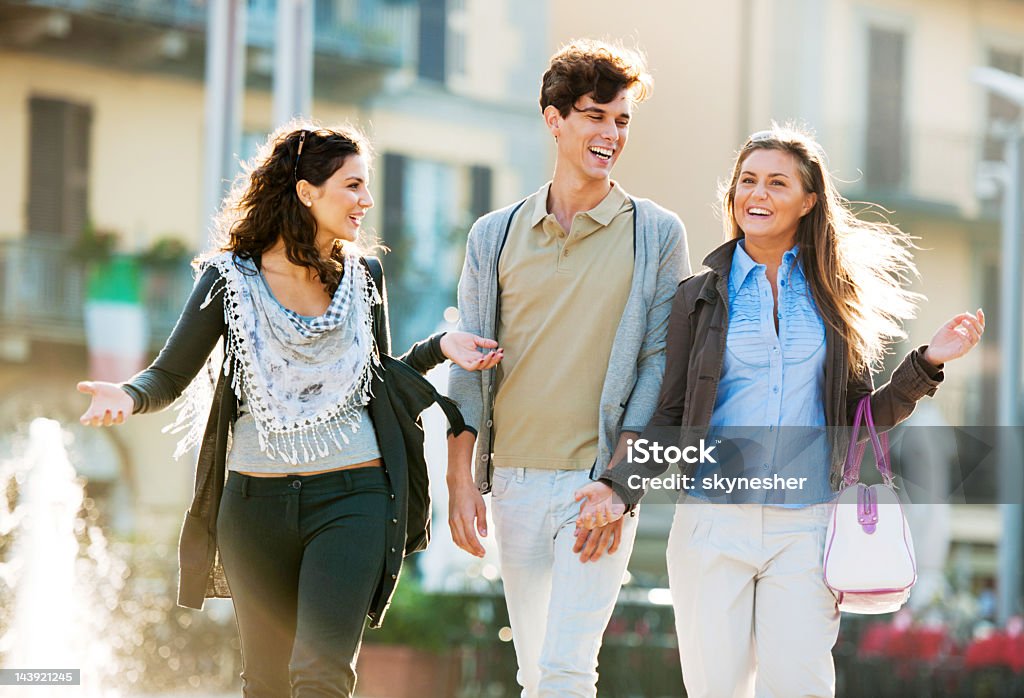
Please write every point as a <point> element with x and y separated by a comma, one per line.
<point>928,357</point>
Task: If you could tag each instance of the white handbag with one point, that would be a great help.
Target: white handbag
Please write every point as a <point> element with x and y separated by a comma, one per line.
<point>869,554</point>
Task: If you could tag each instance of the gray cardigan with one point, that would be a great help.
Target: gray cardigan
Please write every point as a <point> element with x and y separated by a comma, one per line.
<point>637,361</point>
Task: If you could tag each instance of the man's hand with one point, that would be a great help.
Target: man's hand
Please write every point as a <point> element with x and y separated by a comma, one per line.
<point>592,544</point>
<point>467,516</point>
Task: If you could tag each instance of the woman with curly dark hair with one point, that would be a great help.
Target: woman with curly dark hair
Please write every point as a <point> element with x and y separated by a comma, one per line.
<point>297,499</point>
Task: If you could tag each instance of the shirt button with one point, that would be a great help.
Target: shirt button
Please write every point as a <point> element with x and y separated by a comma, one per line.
<point>765,466</point>
<point>565,253</point>
<point>394,576</point>
<point>296,484</point>
<point>771,428</point>
<point>392,496</point>
<point>490,422</point>
<point>775,349</point>
<point>392,550</point>
<point>394,521</point>
<point>484,458</point>
<point>775,388</point>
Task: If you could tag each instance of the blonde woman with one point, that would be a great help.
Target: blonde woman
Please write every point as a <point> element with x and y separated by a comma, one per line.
<point>778,331</point>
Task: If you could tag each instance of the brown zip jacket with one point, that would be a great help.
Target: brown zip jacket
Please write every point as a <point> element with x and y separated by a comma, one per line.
<point>694,355</point>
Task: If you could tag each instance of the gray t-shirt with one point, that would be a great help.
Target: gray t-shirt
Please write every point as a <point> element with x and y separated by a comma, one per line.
<point>245,454</point>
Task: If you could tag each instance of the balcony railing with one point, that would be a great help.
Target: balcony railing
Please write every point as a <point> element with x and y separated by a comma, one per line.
<point>369,31</point>
<point>43,293</point>
<point>925,165</point>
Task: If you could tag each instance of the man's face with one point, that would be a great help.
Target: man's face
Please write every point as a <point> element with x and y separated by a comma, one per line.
<point>592,136</point>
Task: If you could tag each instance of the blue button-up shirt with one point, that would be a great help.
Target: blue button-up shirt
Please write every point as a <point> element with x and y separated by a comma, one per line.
<point>769,412</point>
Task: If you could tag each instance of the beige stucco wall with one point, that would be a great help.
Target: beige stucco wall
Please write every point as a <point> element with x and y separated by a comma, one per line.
<point>145,155</point>
<point>681,139</point>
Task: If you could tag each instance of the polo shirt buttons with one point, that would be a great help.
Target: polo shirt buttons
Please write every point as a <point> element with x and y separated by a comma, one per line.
<point>394,521</point>
<point>392,496</point>
<point>490,423</point>
<point>484,458</point>
<point>296,485</point>
<point>392,550</point>
<point>394,576</point>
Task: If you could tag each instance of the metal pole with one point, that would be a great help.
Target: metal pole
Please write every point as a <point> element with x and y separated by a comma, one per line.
<point>1011,476</point>
<point>225,75</point>
<point>293,60</point>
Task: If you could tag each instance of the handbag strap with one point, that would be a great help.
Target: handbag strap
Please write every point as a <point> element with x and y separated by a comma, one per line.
<point>855,452</point>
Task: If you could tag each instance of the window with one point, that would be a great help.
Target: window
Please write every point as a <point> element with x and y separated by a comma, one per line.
<point>58,167</point>
<point>885,154</point>
<point>428,208</point>
<point>433,37</point>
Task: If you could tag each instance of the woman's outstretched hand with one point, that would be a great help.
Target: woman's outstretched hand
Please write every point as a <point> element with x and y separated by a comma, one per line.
<point>464,349</point>
<point>955,338</point>
<point>110,404</point>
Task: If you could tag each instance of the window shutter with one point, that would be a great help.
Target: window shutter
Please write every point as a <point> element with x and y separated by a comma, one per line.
<point>58,196</point>
<point>433,39</point>
<point>481,178</point>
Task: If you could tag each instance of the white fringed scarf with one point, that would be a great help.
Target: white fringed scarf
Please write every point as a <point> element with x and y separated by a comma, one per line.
<point>305,379</point>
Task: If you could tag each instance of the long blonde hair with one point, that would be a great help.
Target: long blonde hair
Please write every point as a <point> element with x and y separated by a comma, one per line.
<point>856,269</point>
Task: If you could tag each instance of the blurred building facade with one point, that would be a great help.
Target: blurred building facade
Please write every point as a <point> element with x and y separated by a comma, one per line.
<point>103,103</point>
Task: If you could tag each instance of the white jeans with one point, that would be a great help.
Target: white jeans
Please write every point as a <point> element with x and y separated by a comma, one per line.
<point>558,606</point>
<point>753,614</point>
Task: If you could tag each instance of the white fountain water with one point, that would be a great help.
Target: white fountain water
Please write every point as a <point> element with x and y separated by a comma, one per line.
<point>56,620</point>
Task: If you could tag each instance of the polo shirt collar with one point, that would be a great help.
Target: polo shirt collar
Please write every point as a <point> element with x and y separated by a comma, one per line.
<point>602,214</point>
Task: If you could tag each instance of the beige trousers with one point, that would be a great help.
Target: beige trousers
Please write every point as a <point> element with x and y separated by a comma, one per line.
<point>753,614</point>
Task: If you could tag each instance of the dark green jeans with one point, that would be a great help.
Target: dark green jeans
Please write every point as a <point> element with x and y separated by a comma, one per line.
<point>303,556</point>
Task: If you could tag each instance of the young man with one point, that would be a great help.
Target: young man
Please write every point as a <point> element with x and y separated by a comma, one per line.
<point>576,283</point>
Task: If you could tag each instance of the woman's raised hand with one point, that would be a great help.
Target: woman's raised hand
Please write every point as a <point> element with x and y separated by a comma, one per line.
<point>110,404</point>
<point>955,338</point>
<point>464,349</point>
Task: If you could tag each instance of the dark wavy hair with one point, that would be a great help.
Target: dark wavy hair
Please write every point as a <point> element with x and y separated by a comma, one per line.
<point>264,206</point>
<point>586,66</point>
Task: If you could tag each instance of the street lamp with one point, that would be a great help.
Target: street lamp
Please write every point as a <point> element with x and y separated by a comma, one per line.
<point>1011,477</point>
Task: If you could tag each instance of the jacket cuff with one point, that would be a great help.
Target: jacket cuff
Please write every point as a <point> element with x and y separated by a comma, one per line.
<point>932,371</point>
<point>135,394</point>
<point>916,378</point>
<point>630,496</point>
<point>436,355</point>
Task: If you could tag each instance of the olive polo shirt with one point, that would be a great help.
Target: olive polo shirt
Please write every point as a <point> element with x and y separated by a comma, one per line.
<point>562,296</point>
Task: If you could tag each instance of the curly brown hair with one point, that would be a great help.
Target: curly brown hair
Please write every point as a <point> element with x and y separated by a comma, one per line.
<point>589,67</point>
<point>263,204</point>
